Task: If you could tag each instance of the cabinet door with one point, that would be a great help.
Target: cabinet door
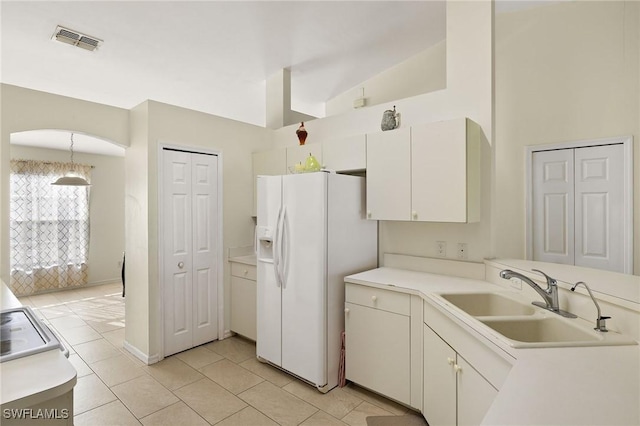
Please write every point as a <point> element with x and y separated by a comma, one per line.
<point>345,154</point>
<point>243,307</point>
<point>475,394</point>
<point>439,383</point>
<point>443,162</point>
<point>267,163</point>
<point>300,153</point>
<point>377,351</point>
<point>389,175</point>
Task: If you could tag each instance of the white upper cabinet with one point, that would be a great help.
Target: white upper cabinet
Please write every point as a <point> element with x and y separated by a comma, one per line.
<point>389,175</point>
<point>429,172</point>
<point>345,154</point>
<point>445,171</point>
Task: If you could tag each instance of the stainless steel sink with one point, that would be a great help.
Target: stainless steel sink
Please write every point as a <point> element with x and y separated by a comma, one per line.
<point>488,304</point>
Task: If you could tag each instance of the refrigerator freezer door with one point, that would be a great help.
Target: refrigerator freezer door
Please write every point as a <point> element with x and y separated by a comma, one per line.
<point>304,291</point>
<point>269,303</point>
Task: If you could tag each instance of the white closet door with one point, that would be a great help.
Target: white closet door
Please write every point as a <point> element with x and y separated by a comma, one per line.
<point>599,220</point>
<point>190,217</point>
<point>204,184</point>
<point>178,256</point>
<point>553,206</point>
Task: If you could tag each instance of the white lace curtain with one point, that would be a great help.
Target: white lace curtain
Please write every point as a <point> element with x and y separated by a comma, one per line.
<point>49,227</point>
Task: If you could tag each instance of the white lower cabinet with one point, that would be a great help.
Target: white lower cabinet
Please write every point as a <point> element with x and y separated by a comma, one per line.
<point>454,392</point>
<point>378,341</point>
<point>243,299</point>
<point>378,360</point>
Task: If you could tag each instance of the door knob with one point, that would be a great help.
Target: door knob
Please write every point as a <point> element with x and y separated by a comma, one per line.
<point>180,265</point>
<point>374,299</point>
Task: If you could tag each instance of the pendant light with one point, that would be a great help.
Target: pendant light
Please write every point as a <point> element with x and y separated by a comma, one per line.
<point>68,179</point>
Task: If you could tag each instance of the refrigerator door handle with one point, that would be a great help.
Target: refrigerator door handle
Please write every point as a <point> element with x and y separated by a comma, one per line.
<point>276,248</point>
<point>284,245</point>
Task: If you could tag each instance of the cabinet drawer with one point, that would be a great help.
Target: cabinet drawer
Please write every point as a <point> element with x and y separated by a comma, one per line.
<point>243,270</point>
<point>399,303</point>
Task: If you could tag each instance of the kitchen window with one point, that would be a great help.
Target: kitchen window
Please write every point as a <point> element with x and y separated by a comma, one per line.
<point>49,227</point>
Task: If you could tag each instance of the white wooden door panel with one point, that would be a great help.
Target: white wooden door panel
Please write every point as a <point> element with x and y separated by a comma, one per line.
<point>389,175</point>
<point>436,153</point>
<point>378,351</point>
<point>204,210</point>
<point>189,249</point>
<point>475,394</point>
<point>599,207</point>
<point>439,407</point>
<point>177,252</point>
<point>553,206</point>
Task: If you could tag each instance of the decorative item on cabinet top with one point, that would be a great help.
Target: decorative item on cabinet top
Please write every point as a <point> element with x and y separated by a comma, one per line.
<point>390,119</point>
<point>302,133</point>
<point>310,165</point>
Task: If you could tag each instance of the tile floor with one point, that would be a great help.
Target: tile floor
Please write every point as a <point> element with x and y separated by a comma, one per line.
<point>219,383</point>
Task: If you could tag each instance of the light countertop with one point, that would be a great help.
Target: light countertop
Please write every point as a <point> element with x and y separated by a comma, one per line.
<point>36,378</point>
<point>546,386</point>
<point>249,259</point>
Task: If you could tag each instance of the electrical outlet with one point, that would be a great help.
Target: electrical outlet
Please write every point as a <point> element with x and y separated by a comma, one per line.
<point>441,248</point>
<point>462,251</point>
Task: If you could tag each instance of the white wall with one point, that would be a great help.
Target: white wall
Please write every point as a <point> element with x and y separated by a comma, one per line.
<point>423,73</point>
<point>469,71</point>
<point>24,109</point>
<point>106,208</point>
<point>153,123</point>
<point>564,72</point>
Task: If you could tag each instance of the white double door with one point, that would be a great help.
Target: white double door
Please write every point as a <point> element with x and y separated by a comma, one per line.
<point>578,207</point>
<point>190,251</point>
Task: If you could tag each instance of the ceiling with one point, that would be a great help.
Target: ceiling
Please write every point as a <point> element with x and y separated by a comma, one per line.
<point>212,56</point>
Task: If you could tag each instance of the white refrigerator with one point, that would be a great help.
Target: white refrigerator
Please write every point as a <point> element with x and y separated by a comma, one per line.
<point>311,233</point>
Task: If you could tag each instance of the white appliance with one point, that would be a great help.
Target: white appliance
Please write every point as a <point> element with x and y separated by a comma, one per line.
<point>311,233</point>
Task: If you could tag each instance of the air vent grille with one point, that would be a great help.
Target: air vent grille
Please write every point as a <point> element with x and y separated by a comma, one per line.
<point>75,38</point>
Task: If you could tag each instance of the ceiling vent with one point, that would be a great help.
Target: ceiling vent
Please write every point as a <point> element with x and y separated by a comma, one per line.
<point>65,35</point>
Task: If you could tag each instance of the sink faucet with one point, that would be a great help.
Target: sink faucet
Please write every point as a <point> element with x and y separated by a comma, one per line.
<point>601,322</point>
<point>549,295</point>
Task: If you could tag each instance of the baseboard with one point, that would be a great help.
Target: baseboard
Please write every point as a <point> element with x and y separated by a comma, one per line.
<point>110,281</point>
<point>148,360</point>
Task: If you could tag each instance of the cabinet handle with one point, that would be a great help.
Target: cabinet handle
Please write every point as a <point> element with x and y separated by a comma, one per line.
<point>369,214</point>
<point>374,299</point>
<point>457,368</point>
<point>346,310</point>
<point>246,271</point>
<point>414,214</point>
<point>450,360</point>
